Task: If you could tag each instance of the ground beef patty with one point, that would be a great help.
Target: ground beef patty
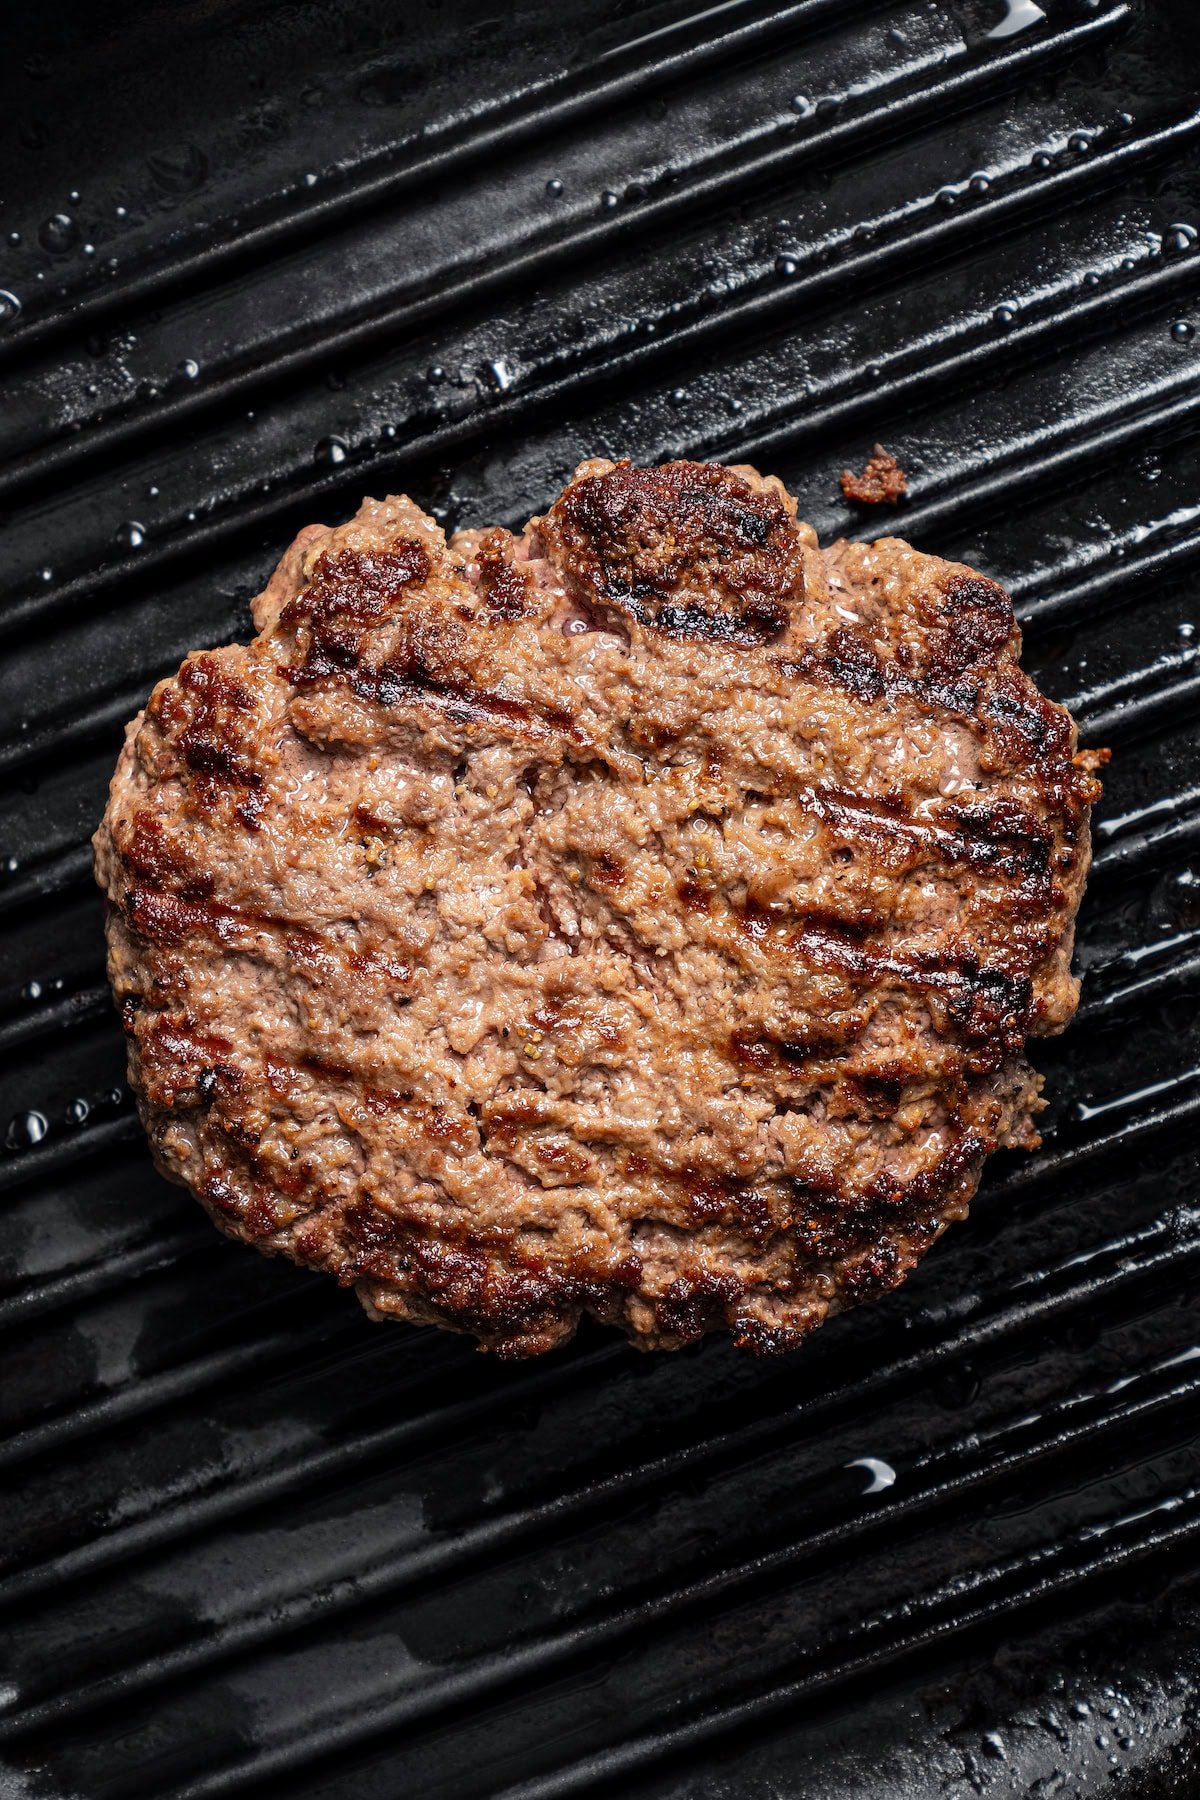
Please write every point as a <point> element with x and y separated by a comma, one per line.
<point>643,916</point>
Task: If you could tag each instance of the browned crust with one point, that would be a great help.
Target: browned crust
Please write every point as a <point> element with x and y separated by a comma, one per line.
<point>815,789</point>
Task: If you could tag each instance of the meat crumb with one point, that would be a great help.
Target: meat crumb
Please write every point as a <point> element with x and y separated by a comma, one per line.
<point>881,483</point>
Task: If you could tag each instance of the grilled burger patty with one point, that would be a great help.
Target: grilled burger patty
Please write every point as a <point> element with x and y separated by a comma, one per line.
<point>643,916</point>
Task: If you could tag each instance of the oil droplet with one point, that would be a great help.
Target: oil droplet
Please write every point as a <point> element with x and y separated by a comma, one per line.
<point>189,367</point>
<point>882,1474</point>
<point>946,198</point>
<point>14,237</point>
<point>87,250</point>
<point>121,212</point>
<point>1042,159</point>
<point>152,492</point>
<point>10,309</point>
<point>802,106</point>
<point>74,196</point>
<point>310,179</point>
<point>58,234</point>
<point>436,375</point>
<point>677,396</point>
<point>1004,316</point>
<point>131,535</point>
<point>331,451</point>
<point>1091,279</point>
<point>554,188</point>
<point>32,990</point>
<point>1180,238</point>
<point>1079,142</point>
<point>608,200</point>
<point>178,168</point>
<point>979,184</point>
<point>1182,331</point>
<point>115,1096</point>
<point>26,1130</point>
<point>77,1112</point>
<point>786,266</point>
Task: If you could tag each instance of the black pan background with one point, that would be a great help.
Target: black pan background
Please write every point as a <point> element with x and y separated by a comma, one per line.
<point>258,257</point>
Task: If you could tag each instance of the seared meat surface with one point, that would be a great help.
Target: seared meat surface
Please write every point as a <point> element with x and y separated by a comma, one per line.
<point>643,916</point>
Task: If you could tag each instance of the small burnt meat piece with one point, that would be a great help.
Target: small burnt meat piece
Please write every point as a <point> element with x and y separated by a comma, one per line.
<point>881,483</point>
<point>643,916</point>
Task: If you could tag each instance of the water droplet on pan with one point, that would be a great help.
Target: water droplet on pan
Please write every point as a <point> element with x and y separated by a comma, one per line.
<point>131,534</point>
<point>331,451</point>
<point>178,168</point>
<point>882,1474</point>
<point>58,234</point>
<point>608,200</point>
<point>189,367</point>
<point>554,188</point>
<point>786,266</point>
<point>1182,331</point>
<point>10,309</point>
<point>77,1112</point>
<point>1021,14</point>
<point>26,1130</point>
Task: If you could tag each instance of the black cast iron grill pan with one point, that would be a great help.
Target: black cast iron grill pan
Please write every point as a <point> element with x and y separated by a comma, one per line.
<point>246,1538</point>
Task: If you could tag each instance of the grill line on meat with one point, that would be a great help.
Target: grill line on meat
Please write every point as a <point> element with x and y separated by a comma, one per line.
<point>643,916</point>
